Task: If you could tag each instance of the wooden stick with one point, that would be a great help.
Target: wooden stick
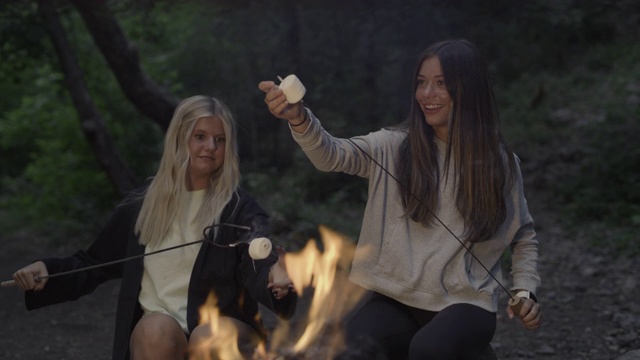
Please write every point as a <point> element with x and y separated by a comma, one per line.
<point>516,304</point>
<point>8,283</point>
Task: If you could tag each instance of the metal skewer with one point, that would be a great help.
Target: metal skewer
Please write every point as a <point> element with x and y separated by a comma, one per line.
<point>12,283</point>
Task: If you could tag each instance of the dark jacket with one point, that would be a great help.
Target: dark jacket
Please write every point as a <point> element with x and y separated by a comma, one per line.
<point>237,281</point>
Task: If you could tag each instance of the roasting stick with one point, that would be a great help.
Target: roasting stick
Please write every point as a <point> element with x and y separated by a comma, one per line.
<point>12,283</point>
<point>515,303</point>
<point>263,245</point>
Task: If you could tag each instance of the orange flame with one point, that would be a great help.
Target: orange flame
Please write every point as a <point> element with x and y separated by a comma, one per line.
<point>326,274</point>
<point>223,340</point>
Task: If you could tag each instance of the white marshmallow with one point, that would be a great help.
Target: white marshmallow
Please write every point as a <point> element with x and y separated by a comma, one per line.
<point>292,88</point>
<point>260,248</point>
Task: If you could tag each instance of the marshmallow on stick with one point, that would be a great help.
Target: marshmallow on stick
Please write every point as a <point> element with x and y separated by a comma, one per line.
<point>260,248</point>
<point>292,88</point>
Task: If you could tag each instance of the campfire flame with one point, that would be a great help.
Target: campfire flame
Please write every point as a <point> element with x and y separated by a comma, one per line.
<point>319,334</point>
<point>223,343</point>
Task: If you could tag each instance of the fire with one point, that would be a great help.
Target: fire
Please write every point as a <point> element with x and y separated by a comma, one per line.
<point>319,335</point>
<point>223,344</point>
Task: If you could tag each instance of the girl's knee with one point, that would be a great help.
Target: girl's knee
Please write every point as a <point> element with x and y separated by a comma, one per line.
<point>158,336</point>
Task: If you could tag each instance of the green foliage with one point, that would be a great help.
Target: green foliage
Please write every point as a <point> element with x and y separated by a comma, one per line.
<point>579,142</point>
<point>50,177</point>
<point>23,48</point>
<point>55,183</point>
<point>566,74</point>
<point>609,186</point>
<point>159,34</point>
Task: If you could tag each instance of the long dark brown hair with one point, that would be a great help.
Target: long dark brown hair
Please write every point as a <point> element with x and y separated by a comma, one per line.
<point>483,164</point>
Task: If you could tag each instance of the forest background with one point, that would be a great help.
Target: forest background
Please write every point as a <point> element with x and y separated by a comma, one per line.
<point>88,88</point>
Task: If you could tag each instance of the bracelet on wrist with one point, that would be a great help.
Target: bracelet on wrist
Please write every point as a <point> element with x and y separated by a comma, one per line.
<point>306,117</point>
<point>527,295</point>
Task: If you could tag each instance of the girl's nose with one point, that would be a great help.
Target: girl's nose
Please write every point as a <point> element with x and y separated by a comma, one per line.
<point>212,144</point>
<point>426,92</point>
<point>429,91</point>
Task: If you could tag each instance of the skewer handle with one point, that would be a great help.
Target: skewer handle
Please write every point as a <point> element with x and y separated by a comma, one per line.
<point>8,283</point>
<point>516,304</point>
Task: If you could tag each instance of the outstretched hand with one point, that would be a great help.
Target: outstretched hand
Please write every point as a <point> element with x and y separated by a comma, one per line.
<point>279,106</point>
<point>530,314</point>
<point>25,278</point>
<point>279,282</point>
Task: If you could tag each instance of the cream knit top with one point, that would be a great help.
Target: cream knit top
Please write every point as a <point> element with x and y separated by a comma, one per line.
<point>165,280</point>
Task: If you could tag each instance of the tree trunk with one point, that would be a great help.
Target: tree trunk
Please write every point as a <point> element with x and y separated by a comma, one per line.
<point>92,124</point>
<point>150,98</point>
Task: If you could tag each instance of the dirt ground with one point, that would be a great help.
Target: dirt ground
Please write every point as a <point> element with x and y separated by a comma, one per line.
<point>590,301</point>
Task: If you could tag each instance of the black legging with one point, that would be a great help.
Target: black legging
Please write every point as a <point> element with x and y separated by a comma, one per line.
<point>458,332</point>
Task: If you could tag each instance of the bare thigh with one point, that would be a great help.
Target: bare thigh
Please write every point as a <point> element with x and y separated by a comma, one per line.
<point>158,336</point>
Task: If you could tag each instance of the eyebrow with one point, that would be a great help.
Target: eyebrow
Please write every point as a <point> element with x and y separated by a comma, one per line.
<point>436,76</point>
<point>195,130</point>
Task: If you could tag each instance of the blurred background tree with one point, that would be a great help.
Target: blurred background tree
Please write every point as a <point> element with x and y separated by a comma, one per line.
<point>567,76</point>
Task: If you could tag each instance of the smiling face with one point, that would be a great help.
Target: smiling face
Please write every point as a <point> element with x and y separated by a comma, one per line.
<point>433,97</point>
<point>206,150</point>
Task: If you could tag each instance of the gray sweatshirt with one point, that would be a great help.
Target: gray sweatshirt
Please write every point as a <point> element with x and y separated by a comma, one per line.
<point>423,266</point>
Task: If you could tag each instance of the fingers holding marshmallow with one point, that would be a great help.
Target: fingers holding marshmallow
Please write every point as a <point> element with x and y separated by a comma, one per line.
<point>279,282</point>
<point>284,100</point>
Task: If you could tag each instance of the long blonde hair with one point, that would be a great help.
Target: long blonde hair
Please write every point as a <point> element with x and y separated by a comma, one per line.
<point>161,200</point>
